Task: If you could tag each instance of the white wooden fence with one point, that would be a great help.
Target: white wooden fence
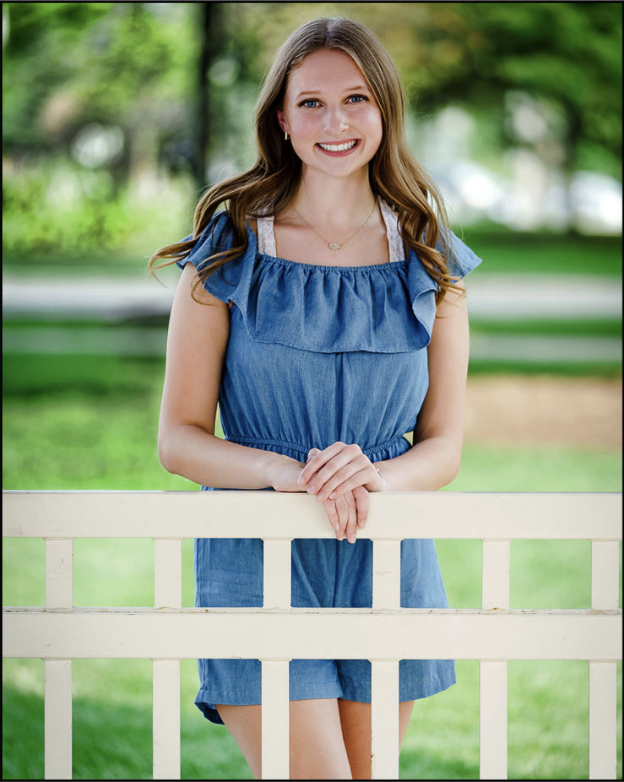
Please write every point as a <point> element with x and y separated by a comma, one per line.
<point>277,633</point>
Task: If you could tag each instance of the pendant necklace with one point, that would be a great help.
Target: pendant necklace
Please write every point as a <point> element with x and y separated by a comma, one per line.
<point>335,245</point>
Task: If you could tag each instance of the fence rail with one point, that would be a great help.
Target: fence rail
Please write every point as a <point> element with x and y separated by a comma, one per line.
<point>276,633</point>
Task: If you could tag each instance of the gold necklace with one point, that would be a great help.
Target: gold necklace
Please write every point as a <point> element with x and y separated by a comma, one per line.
<point>335,245</point>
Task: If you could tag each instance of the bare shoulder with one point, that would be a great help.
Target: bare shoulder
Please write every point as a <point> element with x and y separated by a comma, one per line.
<point>193,300</point>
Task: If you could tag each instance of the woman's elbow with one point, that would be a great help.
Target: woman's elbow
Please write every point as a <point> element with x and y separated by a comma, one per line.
<point>166,453</point>
<point>452,469</point>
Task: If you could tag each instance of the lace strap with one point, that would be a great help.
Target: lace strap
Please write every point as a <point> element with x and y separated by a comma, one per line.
<point>266,236</point>
<point>395,241</point>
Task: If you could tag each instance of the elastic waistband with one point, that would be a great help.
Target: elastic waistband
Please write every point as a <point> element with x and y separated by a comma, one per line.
<point>261,442</point>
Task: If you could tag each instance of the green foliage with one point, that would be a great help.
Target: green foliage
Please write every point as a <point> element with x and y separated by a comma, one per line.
<point>63,211</point>
<point>92,61</point>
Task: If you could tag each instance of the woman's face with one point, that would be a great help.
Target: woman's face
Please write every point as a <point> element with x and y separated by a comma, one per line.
<point>329,111</point>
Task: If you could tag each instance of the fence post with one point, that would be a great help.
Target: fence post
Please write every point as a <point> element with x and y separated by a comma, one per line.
<point>386,574</point>
<point>277,573</point>
<point>275,720</point>
<point>166,673</point>
<point>58,719</point>
<point>385,719</point>
<point>167,573</point>
<point>166,719</point>
<point>59,593</point>
<point>603,675</point>
<point>493,674</point>
<point>276,673</point>
<point>58,673</point>
<point>385,673</point>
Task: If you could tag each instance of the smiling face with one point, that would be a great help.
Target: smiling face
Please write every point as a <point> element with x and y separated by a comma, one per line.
<point>329,111</point>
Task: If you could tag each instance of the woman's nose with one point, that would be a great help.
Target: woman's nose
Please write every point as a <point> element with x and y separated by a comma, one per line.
<point>335,120</point>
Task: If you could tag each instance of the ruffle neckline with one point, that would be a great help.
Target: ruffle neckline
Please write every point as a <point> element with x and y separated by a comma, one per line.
<point>380,308</point>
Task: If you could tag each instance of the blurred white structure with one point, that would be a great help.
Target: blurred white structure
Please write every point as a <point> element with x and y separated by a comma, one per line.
<point>528,191</point>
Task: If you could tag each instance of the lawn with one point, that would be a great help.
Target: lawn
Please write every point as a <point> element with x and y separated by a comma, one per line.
<point>91,424</point>
<point>505,251</point>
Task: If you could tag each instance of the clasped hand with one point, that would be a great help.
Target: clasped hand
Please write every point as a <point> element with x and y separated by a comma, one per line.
<point>341,477</point>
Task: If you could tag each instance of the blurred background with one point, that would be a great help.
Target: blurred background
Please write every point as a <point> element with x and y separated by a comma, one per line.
<point>115,117</point>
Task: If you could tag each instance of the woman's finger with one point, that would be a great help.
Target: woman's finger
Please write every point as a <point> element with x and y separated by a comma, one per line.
<point>342,508</point>
<point>348,480</point>
<point>362,504</point>
<point>332,514</point>
<point>351,529</point>
<point>335,470</point>
<point>320,458</point>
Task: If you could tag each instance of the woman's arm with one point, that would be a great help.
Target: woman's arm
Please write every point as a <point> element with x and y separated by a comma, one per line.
<point>434,459</point>
<point>187,445</point>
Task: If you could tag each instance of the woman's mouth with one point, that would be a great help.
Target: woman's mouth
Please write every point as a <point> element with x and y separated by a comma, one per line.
<point>339,150</point>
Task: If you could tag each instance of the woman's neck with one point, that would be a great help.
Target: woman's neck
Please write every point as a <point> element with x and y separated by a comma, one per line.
<point>330,202</point>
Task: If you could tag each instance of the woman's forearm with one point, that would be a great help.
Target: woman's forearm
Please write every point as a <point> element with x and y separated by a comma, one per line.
<point>199,456</point>
<point>429,465</point>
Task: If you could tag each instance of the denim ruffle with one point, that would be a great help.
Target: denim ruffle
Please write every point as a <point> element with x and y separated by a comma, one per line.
<point>383,308</point>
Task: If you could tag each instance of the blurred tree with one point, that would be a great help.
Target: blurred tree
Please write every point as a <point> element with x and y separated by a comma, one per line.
<point>138,93</point>
<point>473,54</point>
<point>66,65</point>
<point>568,55</point>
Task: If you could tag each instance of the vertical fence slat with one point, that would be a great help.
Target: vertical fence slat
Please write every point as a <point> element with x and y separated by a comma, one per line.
<point>166,719</point>
<point>385,719</point>
<point>386,574</point>
<point>493,720</point>
<point>167,573</point>
<point>602,720</point>
<point>275,719</point>
<point>493,675</point>
<point>58,719</point>
<point>58,577</point>
<point>605,575</point>
<point>277,568</point>
<point>495,576</point>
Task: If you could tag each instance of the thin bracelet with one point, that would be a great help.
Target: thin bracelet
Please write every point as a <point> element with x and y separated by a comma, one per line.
<point>383,480</point>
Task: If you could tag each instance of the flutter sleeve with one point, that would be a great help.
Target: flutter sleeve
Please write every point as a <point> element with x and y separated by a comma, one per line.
<point>462,260</point>
<point>217,237</point>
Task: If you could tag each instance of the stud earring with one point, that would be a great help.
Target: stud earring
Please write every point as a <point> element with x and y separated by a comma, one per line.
<point>286,135</point>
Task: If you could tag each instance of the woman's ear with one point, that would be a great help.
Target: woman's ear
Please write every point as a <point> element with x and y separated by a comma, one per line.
<point>281,121</point>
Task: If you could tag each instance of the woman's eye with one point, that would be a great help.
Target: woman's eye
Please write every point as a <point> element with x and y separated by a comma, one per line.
<point>357,98</point>
<point>309,104</point>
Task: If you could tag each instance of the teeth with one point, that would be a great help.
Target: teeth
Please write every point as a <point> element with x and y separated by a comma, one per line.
<point>338,147</point>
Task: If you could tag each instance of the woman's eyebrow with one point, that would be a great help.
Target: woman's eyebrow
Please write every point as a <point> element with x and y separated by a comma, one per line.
<point>319,92</point>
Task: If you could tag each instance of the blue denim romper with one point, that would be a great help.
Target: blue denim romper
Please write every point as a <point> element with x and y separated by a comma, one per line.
<point>318,354</point>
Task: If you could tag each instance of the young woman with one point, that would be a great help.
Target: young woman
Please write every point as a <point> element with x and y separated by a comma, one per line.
<point>322,309</point>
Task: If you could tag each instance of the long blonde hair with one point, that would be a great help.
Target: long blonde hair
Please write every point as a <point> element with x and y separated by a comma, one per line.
<point>271,184</point>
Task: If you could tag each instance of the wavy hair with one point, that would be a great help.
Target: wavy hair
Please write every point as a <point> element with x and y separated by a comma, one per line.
<point>271,184</point>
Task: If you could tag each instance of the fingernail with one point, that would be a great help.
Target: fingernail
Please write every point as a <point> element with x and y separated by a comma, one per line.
<point>311,489</point>
<point>332,496</point>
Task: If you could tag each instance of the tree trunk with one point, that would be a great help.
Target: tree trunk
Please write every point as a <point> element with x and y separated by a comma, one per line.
<point>211,42</point>
<point>572,138</point>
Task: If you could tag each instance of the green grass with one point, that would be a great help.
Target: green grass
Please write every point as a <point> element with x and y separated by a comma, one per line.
<point>504,250</point>
<point>90,423</point>
<point>546,253</point>
<point>548,328</point>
